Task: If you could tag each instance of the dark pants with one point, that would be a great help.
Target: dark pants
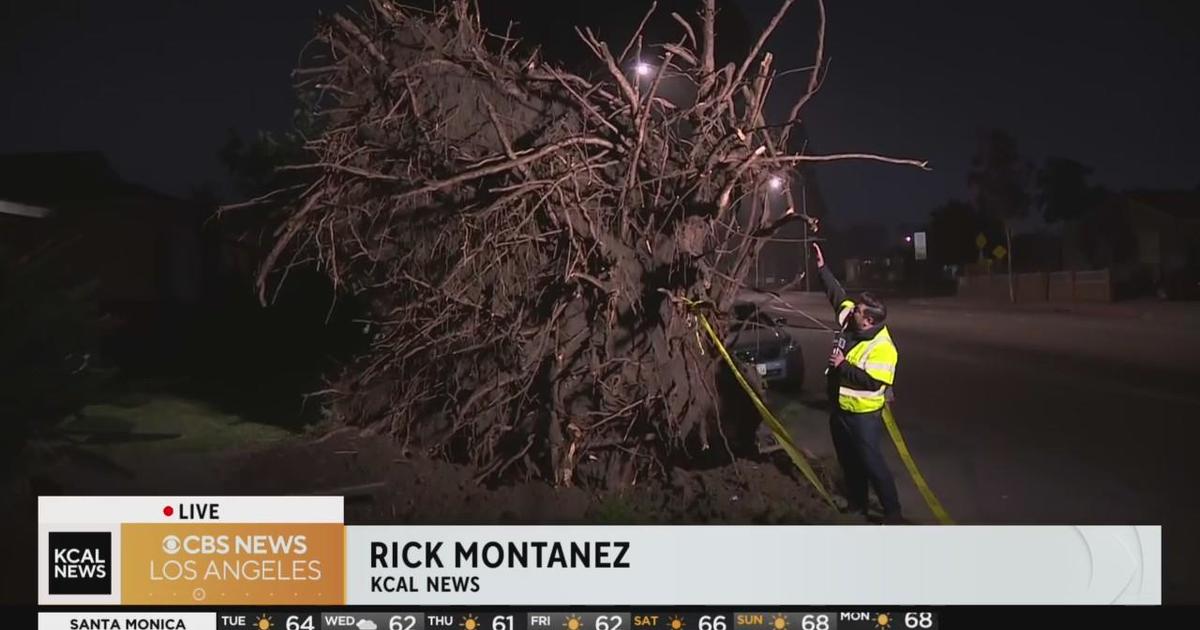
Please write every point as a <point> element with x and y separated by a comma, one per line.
<point>856,437</point>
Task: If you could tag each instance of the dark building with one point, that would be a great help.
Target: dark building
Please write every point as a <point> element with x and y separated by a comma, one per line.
<point>140,248</point>
<point>1150,240</point>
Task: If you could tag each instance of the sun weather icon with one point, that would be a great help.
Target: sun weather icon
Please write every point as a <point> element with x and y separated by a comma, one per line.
<point>780,622</point>
<point>573,622</point>
<point>263,622</point>
<point>675,623</point>
<point>469,622</point>
<point>883,621</point>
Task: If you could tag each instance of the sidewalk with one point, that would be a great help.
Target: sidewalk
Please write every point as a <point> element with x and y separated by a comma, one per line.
<point>1143,309</point>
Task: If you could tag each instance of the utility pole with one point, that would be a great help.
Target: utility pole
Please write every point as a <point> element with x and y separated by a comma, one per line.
<point>804,207</point>
<point>807,281</point>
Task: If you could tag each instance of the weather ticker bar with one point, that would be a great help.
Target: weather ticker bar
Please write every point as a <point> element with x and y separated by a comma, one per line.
<point>632,619</point>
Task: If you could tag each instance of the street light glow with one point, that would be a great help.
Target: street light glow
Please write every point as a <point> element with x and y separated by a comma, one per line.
<point>776,182</point>
<point>643,69</point>
<point>907,239</point>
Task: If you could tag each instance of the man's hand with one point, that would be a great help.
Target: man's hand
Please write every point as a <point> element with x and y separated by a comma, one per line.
<point>836,358</point>
<point>820,256</point>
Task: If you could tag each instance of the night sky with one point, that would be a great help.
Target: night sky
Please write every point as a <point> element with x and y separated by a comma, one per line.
<point>156,84</point>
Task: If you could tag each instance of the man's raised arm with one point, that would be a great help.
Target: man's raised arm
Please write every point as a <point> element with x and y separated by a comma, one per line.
<point>833,288</point>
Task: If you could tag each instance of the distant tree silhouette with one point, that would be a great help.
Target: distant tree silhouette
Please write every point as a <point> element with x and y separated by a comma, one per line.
<point>1063,192</point>
<point>952,230</point>
<point>999,181</point>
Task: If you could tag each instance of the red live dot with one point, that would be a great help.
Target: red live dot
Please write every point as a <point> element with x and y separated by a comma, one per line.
<point>167,511</point>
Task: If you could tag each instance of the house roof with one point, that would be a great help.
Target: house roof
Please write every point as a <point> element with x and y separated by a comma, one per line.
<point>66,179</point>
<point>1180,204</point>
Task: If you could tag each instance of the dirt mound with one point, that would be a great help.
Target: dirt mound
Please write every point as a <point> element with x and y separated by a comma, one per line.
<point>385,485</point>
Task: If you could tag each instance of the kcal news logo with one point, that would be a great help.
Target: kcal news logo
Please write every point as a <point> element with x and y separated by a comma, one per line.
<point>80,563</point>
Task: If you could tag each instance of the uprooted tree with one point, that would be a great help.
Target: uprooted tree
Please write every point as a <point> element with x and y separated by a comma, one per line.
<point>533,245</point>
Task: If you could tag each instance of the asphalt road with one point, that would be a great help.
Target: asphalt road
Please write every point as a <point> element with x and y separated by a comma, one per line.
<point>1020,417</point>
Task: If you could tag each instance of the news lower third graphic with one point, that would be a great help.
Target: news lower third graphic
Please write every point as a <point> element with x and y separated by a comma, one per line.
<point>630,619</point>
<point>706,565</point>
<point>215,552</point>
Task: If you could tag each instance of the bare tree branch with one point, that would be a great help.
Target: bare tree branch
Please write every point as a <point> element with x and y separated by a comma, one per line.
<point>814,78</point>
<point>529,244</point>
<point>793,159</point>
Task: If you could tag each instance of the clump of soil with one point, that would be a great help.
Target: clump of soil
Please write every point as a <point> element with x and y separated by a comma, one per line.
<point>748,491</point>
<point>383,483</point>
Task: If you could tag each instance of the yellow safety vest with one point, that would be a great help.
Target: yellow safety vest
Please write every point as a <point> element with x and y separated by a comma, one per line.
<point>878,358</point>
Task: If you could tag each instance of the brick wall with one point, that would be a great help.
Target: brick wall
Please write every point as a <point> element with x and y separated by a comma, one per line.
<point>1031,287</point>
<point>1093,286</point>
<point>1062,286</point>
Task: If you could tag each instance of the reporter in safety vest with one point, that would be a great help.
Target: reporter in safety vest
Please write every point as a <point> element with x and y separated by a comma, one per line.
<point>862,369</point>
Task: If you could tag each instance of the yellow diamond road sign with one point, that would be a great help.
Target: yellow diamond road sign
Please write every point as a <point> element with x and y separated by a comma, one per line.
<point>980,241</point>
<point>999,252</point>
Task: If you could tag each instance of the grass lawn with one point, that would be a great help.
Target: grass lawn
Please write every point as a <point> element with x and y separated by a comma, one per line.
<point>144,424</point>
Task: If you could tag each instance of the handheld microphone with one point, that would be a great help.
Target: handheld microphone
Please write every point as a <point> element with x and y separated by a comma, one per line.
<point>839,343</point>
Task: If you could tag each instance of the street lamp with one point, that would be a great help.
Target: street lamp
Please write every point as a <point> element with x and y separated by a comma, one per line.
<point>908,239</point>
<point>643,69</point>
<point>775,182</point>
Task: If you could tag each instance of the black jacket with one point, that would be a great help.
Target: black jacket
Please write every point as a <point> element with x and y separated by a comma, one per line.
<point>847,374</point>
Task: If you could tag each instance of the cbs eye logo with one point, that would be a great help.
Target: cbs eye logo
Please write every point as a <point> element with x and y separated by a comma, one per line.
<point>194,544</point>
<point>80,563</point>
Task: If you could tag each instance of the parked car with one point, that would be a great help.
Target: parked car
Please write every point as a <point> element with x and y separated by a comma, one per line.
<point>760,342</point>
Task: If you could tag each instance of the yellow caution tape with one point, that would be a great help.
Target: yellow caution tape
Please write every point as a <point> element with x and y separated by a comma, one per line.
<point>781,434</point>
<point>789,445</point>
<point>931,499</point>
